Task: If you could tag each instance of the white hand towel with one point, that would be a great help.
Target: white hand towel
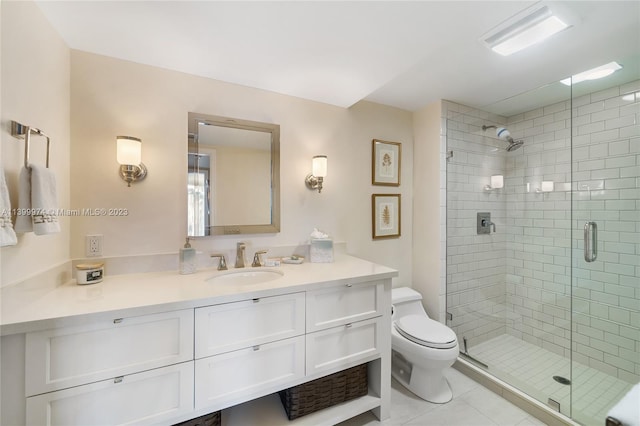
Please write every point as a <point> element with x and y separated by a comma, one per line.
<point>37,195</point>
<point>7,234</point>
<point>23,222</point>
<point>626,410</point>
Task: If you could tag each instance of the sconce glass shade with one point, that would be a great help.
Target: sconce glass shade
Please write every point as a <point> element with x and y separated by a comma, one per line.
<point>129,156</point>
<point>497,181</point>
<point>129,150</point>
<point>319,166</point>
<point>318,172</point>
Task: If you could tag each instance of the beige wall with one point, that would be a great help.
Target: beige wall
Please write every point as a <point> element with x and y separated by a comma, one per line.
<point>111,97</point>
<point>427,253</point>
<point>35,92</point>
<point>83,101</point>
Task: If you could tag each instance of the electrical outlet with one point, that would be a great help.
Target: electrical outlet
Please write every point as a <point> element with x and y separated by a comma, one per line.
<point>93,245</point>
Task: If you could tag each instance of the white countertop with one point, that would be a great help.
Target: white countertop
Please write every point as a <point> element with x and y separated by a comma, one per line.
<point>24,310</point>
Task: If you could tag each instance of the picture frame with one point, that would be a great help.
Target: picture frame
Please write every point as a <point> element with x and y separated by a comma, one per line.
<point>386,159</point>
<point>385,216</point>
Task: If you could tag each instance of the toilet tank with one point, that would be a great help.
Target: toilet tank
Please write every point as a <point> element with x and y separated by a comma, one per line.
<point>404,294</point>
<point>406,301</point>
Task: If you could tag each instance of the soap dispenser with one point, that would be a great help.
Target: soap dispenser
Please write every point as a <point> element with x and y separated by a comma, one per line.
<point>187,259</point>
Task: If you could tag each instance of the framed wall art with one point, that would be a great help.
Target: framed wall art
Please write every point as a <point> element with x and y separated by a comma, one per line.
<point>385,209</point>
<point>386,159</point>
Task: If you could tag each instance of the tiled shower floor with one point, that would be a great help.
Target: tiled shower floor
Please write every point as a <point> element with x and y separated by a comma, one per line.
<point>531,369</point>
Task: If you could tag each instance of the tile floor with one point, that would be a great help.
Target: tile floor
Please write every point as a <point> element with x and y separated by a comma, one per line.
<point>531,369</point>
<point>472,405</point>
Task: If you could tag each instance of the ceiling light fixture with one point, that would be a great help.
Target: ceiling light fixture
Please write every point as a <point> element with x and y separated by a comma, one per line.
<point>525,29</point>
<point>593,74</point>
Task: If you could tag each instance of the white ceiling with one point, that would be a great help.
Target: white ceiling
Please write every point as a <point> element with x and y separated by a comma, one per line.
<point>403,54</point>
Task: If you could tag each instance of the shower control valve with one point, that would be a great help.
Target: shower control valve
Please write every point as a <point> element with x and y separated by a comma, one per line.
<point>484,223</point>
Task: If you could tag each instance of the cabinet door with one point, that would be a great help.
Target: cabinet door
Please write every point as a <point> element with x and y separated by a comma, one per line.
<point>345,304</point>
<point>343,346</point>
<point>71,356</point>
<point>151,397</point>
<point>234,377</point>
<point>232,326</point>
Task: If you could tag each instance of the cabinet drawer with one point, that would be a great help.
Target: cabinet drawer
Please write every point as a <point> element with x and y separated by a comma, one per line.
<point>342,305</point>
<point>232,326</point>
<point>343,346</point>
<point>234,377</point>
<point>71,356</point>
<point>150,397</point>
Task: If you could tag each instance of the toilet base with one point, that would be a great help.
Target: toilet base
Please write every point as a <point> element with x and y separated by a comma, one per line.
<point>430,385</point>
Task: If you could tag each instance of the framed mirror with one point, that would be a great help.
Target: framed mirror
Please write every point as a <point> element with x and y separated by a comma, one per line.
<point>233,182</point>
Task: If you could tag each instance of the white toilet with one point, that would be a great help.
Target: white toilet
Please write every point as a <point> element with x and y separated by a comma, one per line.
<point>421,348</point>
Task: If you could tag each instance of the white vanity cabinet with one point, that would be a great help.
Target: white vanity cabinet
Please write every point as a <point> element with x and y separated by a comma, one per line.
<point>148,398</point>
<point>247,349</point>
<point>196,349</point>
<point>122,370</point>
<point>344,325</point>
<point>230,326</point>
<point>344,304</point>
<point>347,324</point>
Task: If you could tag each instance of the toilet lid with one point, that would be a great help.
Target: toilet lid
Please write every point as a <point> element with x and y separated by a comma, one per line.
<point>426,332</point>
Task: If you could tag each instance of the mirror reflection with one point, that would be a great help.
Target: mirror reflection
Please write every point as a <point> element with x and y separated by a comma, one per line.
<point>233,176</point>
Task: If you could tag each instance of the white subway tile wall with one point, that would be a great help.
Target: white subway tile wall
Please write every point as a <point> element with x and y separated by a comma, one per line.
<point>519,280</point>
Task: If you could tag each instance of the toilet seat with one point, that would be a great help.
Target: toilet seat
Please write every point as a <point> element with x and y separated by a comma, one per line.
<point>426,332</point>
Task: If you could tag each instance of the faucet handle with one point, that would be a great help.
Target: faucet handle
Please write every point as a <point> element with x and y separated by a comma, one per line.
<point>256,258</point>
<point>222,265</point>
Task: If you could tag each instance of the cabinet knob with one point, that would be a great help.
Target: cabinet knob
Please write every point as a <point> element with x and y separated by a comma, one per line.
<point>256,348</point>
<point>347,325</point>
<point>118,379</point>
<point>349,285</point>
<point>256,300</point>
<point>117,320</point>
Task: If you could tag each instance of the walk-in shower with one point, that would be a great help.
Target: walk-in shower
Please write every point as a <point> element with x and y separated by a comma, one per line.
<point>530,302</point>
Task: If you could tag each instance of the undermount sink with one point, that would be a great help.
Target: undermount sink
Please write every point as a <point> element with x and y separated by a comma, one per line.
<point>247,276</point>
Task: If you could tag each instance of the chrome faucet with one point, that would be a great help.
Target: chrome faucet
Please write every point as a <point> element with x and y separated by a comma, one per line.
<point>256,258</point>
<point>222,264</point>
<point>240,255</point>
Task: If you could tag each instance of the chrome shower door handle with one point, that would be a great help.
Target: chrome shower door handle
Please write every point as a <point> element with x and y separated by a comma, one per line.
<point>590,241</point>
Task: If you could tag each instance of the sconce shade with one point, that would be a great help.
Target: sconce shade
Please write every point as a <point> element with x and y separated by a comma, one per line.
<point>547,186</point>
<point>129,150</point>
<point>497,181</point>
<point>319,166</point>
<point>129,156</point>
<point>318,172</point>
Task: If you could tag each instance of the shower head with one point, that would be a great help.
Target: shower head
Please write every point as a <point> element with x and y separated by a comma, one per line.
<point>503,133</point>
<point>513,145</point>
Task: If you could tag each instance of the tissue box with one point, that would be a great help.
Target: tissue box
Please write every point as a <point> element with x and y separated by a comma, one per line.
<point>321,250</point>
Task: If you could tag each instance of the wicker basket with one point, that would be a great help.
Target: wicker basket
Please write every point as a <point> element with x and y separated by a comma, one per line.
<point>211,419</point>
<point>324,392</point>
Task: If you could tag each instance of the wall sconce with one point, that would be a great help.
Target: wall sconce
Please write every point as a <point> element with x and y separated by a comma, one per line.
<point>547,186</point>
<point>318,172</point>
<point>129,156</point>
<point>497,182</point>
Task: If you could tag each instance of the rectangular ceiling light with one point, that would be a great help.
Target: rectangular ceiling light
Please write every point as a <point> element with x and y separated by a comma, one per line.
<point>521,32</point>
<point>593,74</point>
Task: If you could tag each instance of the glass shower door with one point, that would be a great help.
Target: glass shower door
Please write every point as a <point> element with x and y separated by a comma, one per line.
<point>606,247</point>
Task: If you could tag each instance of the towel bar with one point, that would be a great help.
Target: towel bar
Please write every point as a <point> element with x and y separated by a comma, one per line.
<point>24,132</point>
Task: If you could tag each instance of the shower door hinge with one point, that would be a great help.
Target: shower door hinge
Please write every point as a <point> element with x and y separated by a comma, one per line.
<point>554,404</point>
